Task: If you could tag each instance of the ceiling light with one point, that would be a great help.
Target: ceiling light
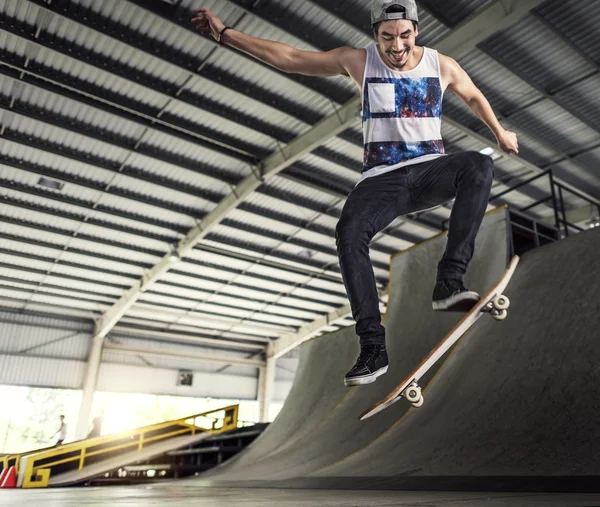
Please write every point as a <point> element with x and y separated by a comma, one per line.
<point>53,184</point>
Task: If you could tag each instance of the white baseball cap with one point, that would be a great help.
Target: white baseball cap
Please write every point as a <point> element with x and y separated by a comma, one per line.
<point>407,10</point>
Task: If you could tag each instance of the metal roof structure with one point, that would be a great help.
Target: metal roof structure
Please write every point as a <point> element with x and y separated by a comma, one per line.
<point>179,191</point>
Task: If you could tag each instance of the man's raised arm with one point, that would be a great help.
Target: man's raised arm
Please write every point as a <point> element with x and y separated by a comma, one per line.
<point>464,88</point>
<point>281,56</point>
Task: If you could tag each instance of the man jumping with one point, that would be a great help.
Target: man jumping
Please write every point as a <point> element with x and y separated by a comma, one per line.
<point>405,169</point>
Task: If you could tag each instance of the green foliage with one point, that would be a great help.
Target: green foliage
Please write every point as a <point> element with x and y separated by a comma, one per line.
<point>34,416</point>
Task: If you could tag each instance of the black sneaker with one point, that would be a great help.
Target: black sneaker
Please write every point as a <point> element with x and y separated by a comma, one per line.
<point>451,296</point>
<point>371,363</point>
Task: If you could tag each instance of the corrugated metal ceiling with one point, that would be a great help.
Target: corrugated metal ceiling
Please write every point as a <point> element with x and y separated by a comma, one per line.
<point>143,127</point>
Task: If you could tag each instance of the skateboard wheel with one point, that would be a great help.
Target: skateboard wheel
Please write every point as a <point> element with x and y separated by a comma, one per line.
<point>413,394</point>
<point>501,302</point>
<point>500,316</point>
<point>417,404</point>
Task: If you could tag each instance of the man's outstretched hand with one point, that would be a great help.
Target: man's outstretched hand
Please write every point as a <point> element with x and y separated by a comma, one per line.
<point>207,23</point>
<point>508,143</point>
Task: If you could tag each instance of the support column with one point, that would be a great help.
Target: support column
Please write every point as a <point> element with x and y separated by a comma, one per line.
<point>89,386</point>
<point>266,384</point>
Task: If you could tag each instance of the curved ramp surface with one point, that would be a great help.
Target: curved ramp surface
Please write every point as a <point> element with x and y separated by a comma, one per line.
<point>514,407</point>
<point>517,404</point>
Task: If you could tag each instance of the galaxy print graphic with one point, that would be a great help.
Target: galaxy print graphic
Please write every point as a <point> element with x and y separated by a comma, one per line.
<point>415,98</point>
<point>379,154</point>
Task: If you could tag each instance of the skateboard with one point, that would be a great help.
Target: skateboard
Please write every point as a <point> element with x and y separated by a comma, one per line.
<point>493,303</point>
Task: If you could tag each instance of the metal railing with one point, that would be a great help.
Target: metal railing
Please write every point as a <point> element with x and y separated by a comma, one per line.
<point>541,231</point>
<point>39,464</point>
<point>556,198</point>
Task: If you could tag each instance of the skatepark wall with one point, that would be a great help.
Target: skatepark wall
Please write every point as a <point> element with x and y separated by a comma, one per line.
<point>318,425</point>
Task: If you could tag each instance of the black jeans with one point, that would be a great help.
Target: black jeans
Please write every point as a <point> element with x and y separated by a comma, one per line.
<point>378,200</point>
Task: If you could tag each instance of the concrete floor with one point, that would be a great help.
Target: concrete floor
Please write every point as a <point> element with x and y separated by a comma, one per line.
<point>174,495</point>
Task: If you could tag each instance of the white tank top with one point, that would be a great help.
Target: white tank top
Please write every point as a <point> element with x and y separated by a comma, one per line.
<point>401,113</point>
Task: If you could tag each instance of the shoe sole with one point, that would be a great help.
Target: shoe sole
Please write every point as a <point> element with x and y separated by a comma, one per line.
<point>365,379</point>
<point>462,302</point>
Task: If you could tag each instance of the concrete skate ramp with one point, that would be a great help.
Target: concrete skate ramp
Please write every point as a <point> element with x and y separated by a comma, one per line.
<point>319,425</point>
<point>514,407</point>
<point>518,403</point>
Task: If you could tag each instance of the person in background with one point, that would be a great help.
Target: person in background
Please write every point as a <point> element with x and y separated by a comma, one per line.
<point>97,426</point>
<point>61,432</point>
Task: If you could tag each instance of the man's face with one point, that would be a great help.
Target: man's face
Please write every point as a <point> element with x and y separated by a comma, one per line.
<point>396,40</point>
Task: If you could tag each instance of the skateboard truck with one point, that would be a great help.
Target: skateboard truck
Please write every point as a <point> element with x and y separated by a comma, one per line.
<point>413,394</point>
<point>497,307</point>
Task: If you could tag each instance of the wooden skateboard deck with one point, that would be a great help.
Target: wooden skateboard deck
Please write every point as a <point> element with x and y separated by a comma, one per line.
<point>494,303</point>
